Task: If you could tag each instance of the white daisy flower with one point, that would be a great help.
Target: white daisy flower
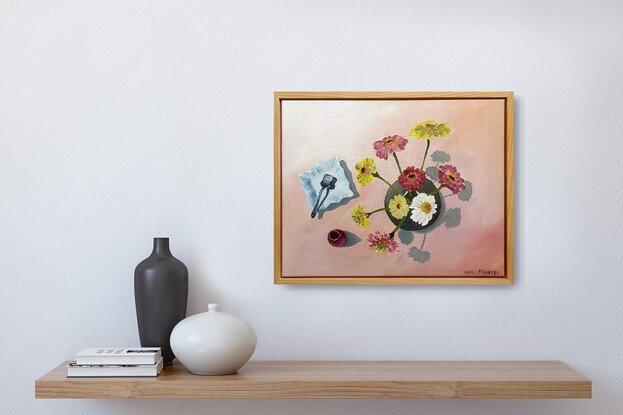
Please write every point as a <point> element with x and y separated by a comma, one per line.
<point>423,207</point>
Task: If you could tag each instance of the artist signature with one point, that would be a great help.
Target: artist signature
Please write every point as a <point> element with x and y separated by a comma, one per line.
<point>482,273</point>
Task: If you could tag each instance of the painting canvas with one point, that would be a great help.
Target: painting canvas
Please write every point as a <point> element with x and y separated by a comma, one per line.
<point>385,188</point>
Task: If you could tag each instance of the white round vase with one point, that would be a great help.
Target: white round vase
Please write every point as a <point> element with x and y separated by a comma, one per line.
<point>213,343</point>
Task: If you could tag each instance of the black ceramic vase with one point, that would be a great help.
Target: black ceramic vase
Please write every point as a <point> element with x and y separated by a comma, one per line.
<point>161,294</point>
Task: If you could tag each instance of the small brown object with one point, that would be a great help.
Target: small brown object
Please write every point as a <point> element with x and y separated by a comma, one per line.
<point>337,238</point>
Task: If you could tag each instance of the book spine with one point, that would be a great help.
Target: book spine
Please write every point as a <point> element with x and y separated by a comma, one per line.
<point>142,360</point>
<point>76,370</point>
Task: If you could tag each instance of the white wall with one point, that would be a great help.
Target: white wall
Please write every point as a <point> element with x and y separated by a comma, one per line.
<point>124,120</point>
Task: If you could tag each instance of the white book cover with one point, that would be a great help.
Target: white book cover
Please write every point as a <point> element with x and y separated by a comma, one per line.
<point>119,356</point>
<point>75,370</point>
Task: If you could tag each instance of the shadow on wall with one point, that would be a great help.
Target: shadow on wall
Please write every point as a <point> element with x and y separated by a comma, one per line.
<point>201,291</point>
<point>343,406</point>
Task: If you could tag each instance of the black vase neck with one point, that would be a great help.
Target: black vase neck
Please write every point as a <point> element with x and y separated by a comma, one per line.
<point>161,247</point>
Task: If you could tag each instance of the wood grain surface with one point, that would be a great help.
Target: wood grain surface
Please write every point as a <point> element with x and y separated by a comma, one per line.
<point>344,379</point>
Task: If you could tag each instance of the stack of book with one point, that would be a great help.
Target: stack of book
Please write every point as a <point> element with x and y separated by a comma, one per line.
<point>116,362</point>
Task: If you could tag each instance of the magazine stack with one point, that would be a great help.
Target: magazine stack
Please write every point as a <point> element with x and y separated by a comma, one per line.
<point>116,362</point>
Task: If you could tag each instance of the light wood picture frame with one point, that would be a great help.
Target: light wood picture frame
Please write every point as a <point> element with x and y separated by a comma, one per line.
<point>393,188</point>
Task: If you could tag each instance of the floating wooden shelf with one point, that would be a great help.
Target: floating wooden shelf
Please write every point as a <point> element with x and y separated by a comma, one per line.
<point>345,379</point>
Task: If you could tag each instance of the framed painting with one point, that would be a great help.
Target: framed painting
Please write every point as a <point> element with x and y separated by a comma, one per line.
<point>393,187</point>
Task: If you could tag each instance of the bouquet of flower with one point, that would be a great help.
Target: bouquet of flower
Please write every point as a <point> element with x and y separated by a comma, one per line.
<point>413,202</point>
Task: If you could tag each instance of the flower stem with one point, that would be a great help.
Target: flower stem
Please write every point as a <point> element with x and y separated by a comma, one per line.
<point>397,163</point>
<point>434,192</point>
<point>386,182</point>
<point>425,154</point>
<point>392,233</point>
<point>374,211</point>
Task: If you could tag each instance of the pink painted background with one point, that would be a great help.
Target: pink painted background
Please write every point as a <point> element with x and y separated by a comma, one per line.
<point>315,131</point>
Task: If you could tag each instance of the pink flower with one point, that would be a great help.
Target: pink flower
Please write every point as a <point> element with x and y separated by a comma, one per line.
<point>449,177</point>
<point>412,178</point>
<point>382,243</point>
<point>388,145</point>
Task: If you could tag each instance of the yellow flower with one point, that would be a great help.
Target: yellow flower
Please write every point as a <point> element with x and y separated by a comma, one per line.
<point>360,217</point>
<point>429,129</point>
<point>365,170</point>
<point>398,207</point>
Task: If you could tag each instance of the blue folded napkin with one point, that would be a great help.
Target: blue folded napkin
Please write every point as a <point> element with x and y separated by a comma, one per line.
<point>311,179</point>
